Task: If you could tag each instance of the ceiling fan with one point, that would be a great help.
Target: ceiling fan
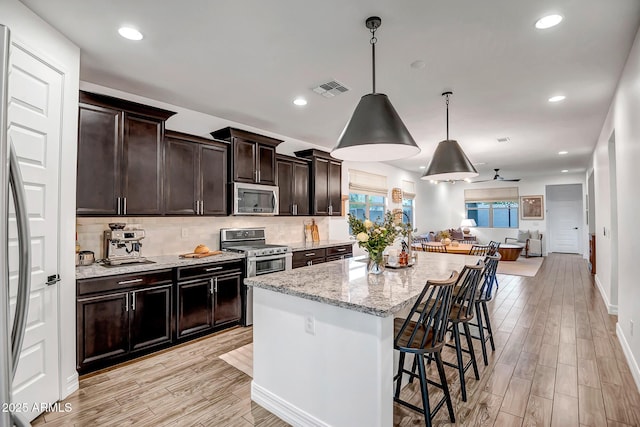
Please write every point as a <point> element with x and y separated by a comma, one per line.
<point>497,177</point>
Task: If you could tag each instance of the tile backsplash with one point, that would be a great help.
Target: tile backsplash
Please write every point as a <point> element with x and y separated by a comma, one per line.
<point>169,235</point>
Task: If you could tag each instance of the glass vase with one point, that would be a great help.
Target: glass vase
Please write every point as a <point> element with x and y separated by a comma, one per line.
<point>375,265</point>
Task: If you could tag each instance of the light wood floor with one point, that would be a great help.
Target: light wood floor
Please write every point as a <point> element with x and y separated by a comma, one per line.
<point>558,363</point>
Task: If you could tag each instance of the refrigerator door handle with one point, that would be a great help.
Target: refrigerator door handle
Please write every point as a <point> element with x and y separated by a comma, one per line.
<point>24,266</point>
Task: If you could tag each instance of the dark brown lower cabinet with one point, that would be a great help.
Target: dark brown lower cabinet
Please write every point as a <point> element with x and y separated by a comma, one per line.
<point>317,256</point>
<point>208,296</point>
<point>150,317</point>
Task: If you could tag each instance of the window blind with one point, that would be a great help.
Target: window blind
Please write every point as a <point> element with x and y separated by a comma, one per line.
<point>408,189</point>
<point>490,194</point>
<point>367,183</point>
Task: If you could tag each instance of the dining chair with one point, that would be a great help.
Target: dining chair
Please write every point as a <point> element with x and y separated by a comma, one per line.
<point>480,250</point>
<point>434,248</point>
<point>483,296</point>
<point>422,333</point>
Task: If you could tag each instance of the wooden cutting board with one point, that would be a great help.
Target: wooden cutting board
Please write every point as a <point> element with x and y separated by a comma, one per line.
<point>194,255</point>
<point>315,233</point>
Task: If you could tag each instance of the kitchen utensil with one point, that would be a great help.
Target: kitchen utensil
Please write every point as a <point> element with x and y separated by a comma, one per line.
<point>86,258</point>
<point>194,255</point>
<point>117,225</point>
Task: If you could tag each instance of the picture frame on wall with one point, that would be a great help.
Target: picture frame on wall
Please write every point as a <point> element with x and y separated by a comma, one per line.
<point>531,207</point>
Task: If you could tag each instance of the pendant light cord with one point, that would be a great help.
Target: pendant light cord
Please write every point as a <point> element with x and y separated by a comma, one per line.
<point>447,117</point>
<point>373,41</point>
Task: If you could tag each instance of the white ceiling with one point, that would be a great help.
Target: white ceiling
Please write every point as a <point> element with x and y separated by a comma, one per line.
<point>247,60</point>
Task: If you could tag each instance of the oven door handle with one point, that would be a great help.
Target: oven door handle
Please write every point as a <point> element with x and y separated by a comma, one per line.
<point>268,258</point>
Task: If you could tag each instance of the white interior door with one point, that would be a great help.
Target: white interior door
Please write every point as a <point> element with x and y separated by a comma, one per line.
<point>34,120</point>
<point>564,208</point>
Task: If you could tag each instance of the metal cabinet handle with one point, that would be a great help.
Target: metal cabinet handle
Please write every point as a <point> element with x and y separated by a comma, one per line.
<point>126,301</point>
<point>255,175</point>
<point>295,209</point>
<point>213,269</point>
<point>126,282</point>
<point>310,262</point>
<point>201,207</point>
<point>330,210</point>
<point>310,254</point>
<point>124,205</point>
<point>215,285</point>
<point>133,301</point>
<point>341,249</point>
<point>118,205</point>
<point>258,175</point>
<point>211,286</point>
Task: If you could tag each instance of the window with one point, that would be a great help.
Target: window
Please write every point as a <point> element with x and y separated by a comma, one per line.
<point>364,206</point>
<point>407,210</point>
<point>494,214</point>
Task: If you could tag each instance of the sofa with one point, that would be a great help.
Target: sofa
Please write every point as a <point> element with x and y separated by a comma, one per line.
<point>530,239</point>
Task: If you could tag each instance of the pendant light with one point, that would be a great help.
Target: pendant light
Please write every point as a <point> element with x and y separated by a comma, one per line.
<point>449,163</point>
<point>375,131</point>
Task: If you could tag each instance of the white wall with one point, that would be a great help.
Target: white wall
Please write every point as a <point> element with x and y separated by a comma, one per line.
<point>29,30</point>
<point>441,206</point>
<point>623,119</point>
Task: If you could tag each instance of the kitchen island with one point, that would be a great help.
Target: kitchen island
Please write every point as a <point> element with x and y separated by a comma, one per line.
<point>323,338</point>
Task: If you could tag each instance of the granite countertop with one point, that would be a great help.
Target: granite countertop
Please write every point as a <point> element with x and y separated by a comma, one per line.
<point>160,263</point>
<point>303,246</point>
<point>346,284</point>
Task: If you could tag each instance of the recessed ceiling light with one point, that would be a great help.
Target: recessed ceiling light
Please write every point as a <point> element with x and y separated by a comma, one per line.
<point>130,33</point>
<point>423,167</point>
<point>300,101</point>
<point>564,170</point>
<point>548,21</point>
<point>562,153</point>
<point>557,98</point>
<point>419,64</point>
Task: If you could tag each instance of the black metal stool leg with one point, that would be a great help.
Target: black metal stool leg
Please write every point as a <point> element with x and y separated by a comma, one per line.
<point>456,336</point>
<point>424,391</point>
<point>467,333</point>
<point>399,379</point>
<point>486,316</point>
<point>481,332</point>
<point>445,386</point>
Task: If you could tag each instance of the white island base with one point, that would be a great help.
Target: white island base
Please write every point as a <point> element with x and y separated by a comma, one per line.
<point>341,374</point>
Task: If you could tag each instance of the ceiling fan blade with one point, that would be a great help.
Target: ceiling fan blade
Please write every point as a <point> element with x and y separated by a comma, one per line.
<point>482,180</point>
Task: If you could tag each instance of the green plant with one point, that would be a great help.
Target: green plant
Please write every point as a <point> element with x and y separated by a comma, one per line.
<point>374,237</point>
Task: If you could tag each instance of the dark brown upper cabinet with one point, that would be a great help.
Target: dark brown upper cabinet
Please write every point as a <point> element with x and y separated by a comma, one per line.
<point>195,175</point>
<point>326,182</point>
<point>120,151</point>
<point>293,183</point>
<point>253,156</point>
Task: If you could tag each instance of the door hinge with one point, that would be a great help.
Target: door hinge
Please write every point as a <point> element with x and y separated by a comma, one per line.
<point>52,280</point>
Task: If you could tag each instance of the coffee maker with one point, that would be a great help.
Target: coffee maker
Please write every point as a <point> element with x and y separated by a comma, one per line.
<point>123,246</point>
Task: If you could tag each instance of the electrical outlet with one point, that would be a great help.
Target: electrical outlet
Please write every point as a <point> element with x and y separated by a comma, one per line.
<point>185,233</point>
<point>631,327</point>
<point>309,324</point>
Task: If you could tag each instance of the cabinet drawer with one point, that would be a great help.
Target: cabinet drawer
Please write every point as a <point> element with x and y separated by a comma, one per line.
<point>203,270</point>
<point>340,250</point>
<point>303,256</point>
<point>121,282</point>
<point>338,257</point>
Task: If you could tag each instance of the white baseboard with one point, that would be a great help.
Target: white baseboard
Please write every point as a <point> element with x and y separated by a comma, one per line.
<point>611,308</point>
<point>283,409</point>
<point>631,361</point>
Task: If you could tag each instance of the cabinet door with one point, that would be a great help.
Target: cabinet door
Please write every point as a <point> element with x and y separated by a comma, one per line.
<point>142,169</point>
<point>194,312</point>
<point>321,187</point>
<point>266,164</point>
<point>335,188</point>
<point>213,179</point>
<point>301,188</point>
<point>150,317</point>
<point>285,187</point>
<point>244,160</point>
<point>103,328</point>
<point>227,301</point>
<point>181,177</point>
<point>99,152</point>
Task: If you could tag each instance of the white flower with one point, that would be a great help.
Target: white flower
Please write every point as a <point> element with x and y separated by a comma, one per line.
<point>362,237</point>
<point>367,224</point>
<point>398,228</point>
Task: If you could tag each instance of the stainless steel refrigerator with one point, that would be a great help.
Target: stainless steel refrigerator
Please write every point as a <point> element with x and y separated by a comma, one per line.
<point>12,328</point>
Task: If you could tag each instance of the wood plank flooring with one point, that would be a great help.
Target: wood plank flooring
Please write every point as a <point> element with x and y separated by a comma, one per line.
<point>557,362</point>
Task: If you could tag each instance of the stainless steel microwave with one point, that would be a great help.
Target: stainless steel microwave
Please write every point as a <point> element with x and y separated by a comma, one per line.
<point>254,199</point>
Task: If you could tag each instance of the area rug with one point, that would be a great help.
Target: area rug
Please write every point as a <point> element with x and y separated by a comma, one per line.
<point>521,267</point>
<point>241,358</point>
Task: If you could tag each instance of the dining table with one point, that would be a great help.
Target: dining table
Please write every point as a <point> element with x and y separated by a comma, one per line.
<point>461,248</point>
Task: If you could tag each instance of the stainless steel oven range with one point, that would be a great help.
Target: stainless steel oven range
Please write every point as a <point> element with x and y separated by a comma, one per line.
<point>261,258</point>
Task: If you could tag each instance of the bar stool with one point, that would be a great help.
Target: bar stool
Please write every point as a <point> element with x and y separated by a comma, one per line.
<point>483,296</point>
<point>422,336</point>
<point>461,313</point>
<point>480,250</point>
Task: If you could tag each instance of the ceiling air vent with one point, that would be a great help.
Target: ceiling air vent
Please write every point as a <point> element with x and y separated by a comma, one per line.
<point>330,89</point>
<point>504,139</point>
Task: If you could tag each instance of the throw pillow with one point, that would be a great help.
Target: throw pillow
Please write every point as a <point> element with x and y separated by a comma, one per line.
<point>535,234</point>
<point>523,235</point>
